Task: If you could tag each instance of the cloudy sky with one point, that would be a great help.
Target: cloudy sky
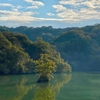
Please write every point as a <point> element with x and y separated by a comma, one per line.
<point>56,13</point>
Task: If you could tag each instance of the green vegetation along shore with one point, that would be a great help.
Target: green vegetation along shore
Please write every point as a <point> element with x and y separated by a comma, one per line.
<point>79,46</point>
<point>18,54</point>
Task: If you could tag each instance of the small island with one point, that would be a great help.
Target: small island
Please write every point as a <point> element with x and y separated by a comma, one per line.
<point>45,68</point>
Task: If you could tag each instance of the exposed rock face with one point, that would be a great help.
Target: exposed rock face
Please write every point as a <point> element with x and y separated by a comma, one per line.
<point>43,79</point>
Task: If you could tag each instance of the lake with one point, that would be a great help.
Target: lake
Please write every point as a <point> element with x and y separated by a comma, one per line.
<point>75,86</point>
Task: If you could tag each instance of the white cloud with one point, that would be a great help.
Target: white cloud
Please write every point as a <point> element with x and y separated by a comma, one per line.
<point>50,14</point>
<point>15,10</point>
<point>35,3</point>
<point>84,10</point>
<point>88,3</point>
<point>16,13</point>
<point>64,2</point>
<point>7,13</point>
<point>19,7</point>
<point>27,13</point>
<point>67,14</point>
<point>78,10</point>
<point>83,14</point>
<point>23,17</point>
<point>32,7</point>
<point>16,16</point>
<point>5,5</point>
<point>59,8</point>
<point>28,1</point>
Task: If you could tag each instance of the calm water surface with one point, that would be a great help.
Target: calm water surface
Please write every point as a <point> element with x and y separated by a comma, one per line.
<point>75,86</point>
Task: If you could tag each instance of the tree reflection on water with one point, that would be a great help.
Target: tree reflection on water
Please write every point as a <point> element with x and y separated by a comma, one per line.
<point>48,91</point>
<point>24,88</point>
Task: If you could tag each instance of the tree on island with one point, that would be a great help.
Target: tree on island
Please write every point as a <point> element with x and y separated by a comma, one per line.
<point>45,68</point>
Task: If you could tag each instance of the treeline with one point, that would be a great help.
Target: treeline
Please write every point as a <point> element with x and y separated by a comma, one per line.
<point>47,33</point>
<point>80,47</point>
<point>18,54</point>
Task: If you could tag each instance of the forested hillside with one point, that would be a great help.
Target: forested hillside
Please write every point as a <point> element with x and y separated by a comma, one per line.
<point>46,32</point>
<point>79,46</point>
<point>18,54</point>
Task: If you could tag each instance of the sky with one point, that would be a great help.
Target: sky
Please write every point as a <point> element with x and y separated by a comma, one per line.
<point>56,13</point>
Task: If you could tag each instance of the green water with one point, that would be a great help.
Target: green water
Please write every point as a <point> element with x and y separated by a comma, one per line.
<point>75,86</point>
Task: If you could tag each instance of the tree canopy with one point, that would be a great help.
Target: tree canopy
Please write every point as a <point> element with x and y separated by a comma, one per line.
<point>18,54</point>
<point>79,46</point>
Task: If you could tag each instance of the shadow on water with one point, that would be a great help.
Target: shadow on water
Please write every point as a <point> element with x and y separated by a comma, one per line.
<point>26,88</point>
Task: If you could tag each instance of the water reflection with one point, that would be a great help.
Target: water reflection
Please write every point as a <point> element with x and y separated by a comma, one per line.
<point>48,91</point>
<point>26,88</point>
<point>44,92</point>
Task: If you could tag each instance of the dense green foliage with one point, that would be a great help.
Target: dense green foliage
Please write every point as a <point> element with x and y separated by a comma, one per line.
<point>79,46</point>
<point>12,58</point>
<point>47,33</point>
<point>45,66</point>
<point>18,54</point>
